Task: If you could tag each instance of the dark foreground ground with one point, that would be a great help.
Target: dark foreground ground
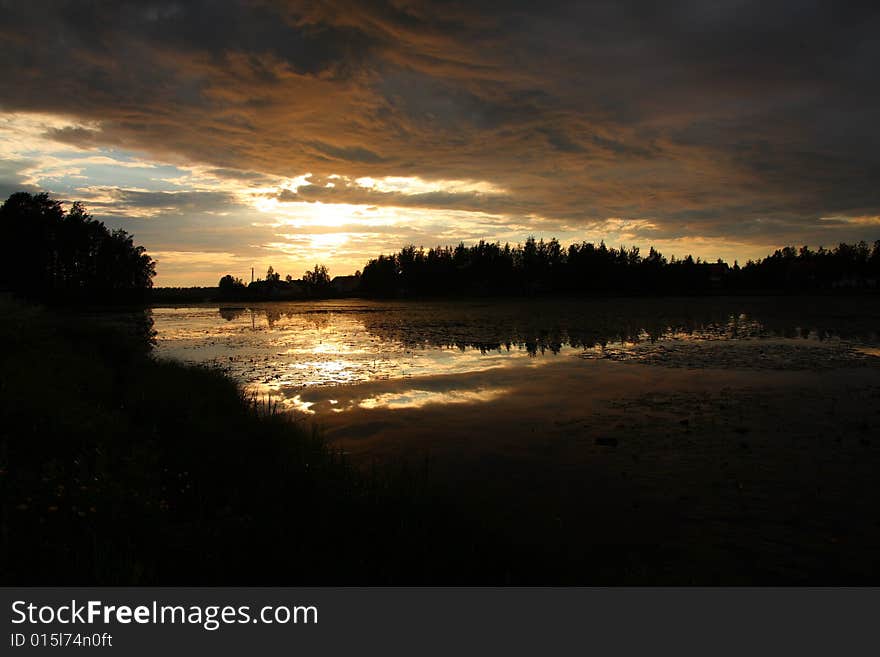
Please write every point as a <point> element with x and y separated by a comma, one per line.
<point>117,469</point>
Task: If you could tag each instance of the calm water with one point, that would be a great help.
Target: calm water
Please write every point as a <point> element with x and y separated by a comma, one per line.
<point>288,349</point>
<point>738,434</point>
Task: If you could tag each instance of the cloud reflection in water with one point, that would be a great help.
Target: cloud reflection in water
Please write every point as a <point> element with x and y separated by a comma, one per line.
<point>290,351</point>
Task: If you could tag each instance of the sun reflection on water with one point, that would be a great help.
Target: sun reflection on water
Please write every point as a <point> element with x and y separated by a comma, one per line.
<point>283,349</point>
<point>416,398</point>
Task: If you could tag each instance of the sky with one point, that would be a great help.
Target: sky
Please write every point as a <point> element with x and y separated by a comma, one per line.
<point>231,135</point>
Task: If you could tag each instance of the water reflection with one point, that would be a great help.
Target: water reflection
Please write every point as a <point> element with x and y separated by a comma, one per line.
<point>417,398</point>
<point>285,348</point>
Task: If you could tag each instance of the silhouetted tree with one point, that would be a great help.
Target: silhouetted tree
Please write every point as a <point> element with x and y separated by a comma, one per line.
<point>231,287</point>
<point>56,255</point>
<point>317,281</point>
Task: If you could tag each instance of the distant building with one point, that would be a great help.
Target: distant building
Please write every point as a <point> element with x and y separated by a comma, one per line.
<point>295,289</point>
<point>345,285</point>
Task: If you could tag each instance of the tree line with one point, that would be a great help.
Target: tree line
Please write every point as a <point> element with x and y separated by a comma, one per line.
<point>538,266</point>
<point>546,267</point>
<point>56,254</point>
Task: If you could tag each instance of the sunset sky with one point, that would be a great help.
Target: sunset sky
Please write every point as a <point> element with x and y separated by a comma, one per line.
<point>229,135</point>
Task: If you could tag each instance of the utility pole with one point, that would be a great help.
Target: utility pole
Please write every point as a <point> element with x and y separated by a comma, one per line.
<point>252,274</point>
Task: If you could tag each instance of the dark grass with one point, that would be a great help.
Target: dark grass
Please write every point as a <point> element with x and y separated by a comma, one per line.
<point>121,469</point>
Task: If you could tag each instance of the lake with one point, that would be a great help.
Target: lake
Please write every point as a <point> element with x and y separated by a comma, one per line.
<point>286,349</point>
<point>736,433</point>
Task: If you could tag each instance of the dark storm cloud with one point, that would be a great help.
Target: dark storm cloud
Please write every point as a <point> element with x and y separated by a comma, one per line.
<point>724,119</point>
<point>76,136</point>
<point>356,154</point>
<point>178,201</point>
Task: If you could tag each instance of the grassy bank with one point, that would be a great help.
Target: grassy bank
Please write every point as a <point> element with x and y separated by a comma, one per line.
<point>120,469</point>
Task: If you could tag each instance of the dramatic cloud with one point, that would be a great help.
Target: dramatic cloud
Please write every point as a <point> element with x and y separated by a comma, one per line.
<point>722,128</point>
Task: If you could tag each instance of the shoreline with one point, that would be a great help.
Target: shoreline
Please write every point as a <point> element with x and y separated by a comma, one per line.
<point>571,472</point>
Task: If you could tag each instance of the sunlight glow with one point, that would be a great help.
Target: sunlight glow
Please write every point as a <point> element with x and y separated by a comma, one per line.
<point>419,398</point>
<point>231,220</point>
<point>317,213</point>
